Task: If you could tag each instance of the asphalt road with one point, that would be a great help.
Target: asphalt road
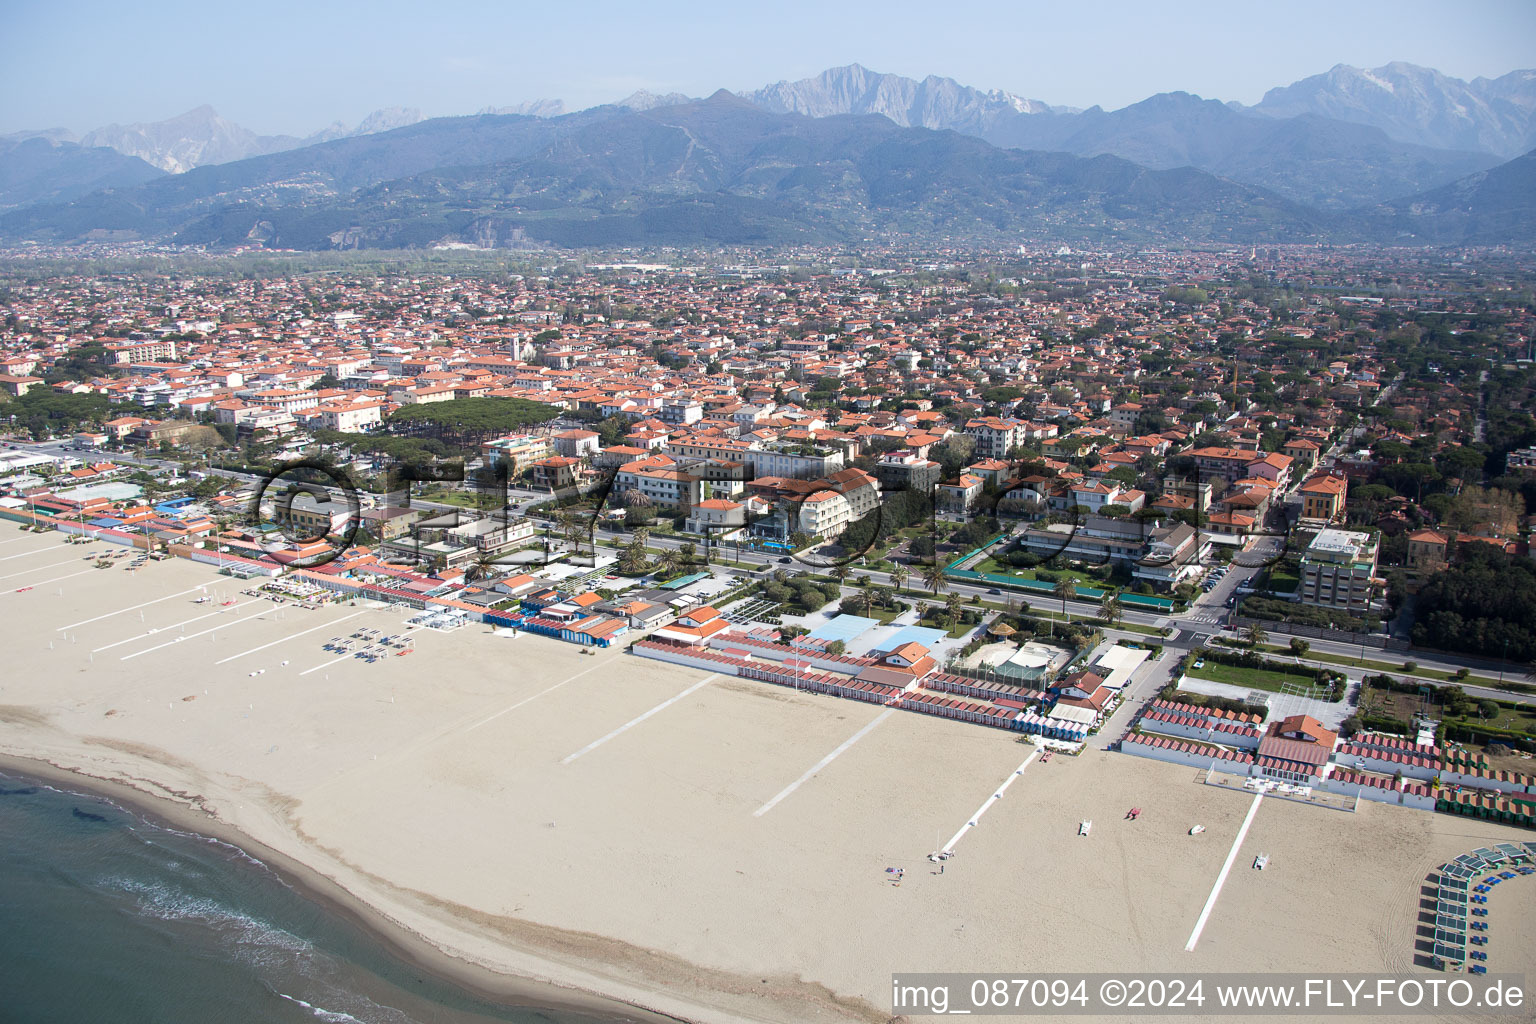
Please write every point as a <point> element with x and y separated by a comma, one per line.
<point>1206,618</point>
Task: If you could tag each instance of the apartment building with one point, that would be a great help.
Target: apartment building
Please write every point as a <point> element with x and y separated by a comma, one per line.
<point>1173,554</point>
<point>346,417</point>
<point>793,460</point>
<point>1338,570</point>
<point>1521,461</point>
<point>996,436</point>
<point>556,472</point>
<point>140,351</point>
<point>961,494</point>
<point>576,444</point>
<point>1323,498</point>
<point>519,451</point>
<point>825,514</point>
<point>659,479</point>
<point>717,517</point>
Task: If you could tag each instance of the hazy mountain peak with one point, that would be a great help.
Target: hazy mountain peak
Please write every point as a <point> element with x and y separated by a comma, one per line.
<point>934,102</point>
<point>643,100</point>
<point>53,135</point>
<point>199,136</point>
<point>388,118</point>
<point>529,108</point>
<point>1419,105</point>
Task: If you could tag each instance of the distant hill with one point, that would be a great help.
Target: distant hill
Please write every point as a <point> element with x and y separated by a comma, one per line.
<point>719,170</point>
<point>851,155</point>
<point>1310,159</point>
<point>533,108</point>
<point>1419,105</point>
<point>201,137</point>
<point>307,176</point>
<point>931,103</point>
<point>36,170</point>
<point>1494,207</point>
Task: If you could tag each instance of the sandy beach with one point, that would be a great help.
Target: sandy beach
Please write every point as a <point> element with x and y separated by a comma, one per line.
<point>705,847</point>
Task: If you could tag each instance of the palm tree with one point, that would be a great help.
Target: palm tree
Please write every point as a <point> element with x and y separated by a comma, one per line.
<point>1110,608</point>
<point>667,564</point>
<point>901,574</point>
<point>868,599</point>
<point>641,534</point>
<point>482,567</point>
<point>632,558</point>
<point>1066,590</point>
<point>952,605</point>
<point>1255,634</point>
<point>841,573</point>
<point>933,576</point>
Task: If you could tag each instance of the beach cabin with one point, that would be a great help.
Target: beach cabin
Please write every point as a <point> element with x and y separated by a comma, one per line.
<point>901,667</point>
<point>695,627</point>
<point>1296,749</point>
<point>1084,690</point>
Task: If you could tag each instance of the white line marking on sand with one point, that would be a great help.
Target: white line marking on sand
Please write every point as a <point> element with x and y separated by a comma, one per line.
<point>1210,902</point>
<point>229,624</point>
<point>132,608</point>
<point>997,795</point>
<point>174,625</point>
<point>636,721</point>
<point>56,579</point>
<point>28,554</point>
<point>525,700</point>
<point>38,568</point>
<point>294,636</point>
<point>819,765</point>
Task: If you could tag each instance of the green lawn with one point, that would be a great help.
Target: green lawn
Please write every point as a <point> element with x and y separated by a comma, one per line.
<point>463,499</point>
<point>1254,678</point>
<point>884,615</point>
<point>1389,667</point>
<point>1136,627</point>
<point>1519,719</point>
<point>1283,582</point>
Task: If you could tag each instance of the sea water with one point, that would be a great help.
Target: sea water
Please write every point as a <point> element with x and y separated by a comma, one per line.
<point>108,917</point>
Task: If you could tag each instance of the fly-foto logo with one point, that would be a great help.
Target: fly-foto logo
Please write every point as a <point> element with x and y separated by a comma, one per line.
<point>317,512</point>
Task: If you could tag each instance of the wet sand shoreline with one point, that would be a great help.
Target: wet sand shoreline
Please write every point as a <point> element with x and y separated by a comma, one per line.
<point>411,948</point>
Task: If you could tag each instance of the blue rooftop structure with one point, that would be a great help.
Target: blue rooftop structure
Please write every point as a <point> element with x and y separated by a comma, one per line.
<point>925,635</point>
<point>844,628</point>
<point>683,581</point>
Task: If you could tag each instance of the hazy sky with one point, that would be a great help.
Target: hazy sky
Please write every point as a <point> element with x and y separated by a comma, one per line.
<point>278,66</point>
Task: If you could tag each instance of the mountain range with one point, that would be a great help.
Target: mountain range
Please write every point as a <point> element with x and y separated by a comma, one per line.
<point>201,136</point>
<point>1420,106</point>
<point>846,156</point>
<point>1306,155</point>
<point>40,169</point>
